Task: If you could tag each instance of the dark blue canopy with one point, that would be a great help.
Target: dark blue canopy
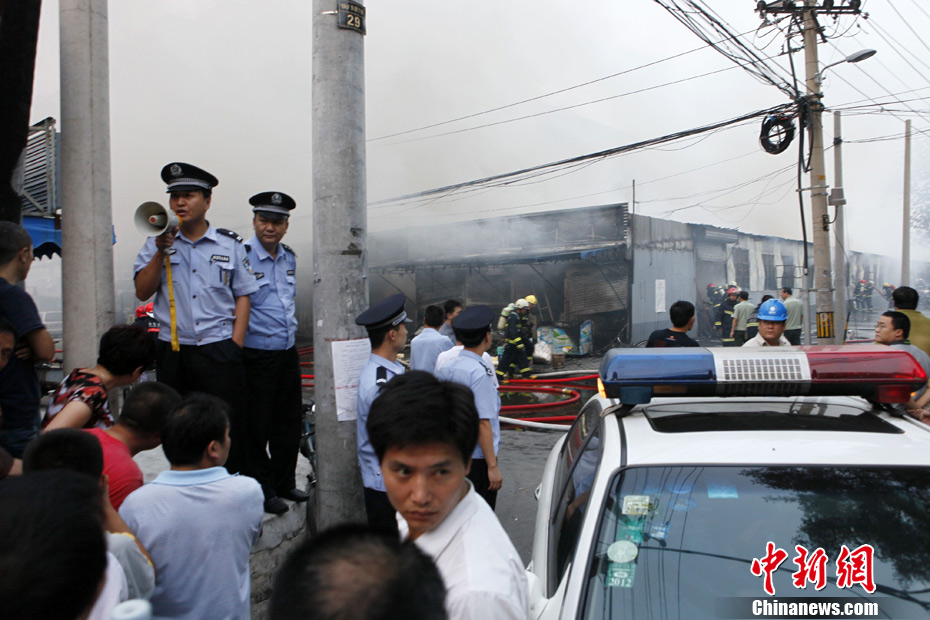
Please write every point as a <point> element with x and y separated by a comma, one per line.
<point>46,238</point>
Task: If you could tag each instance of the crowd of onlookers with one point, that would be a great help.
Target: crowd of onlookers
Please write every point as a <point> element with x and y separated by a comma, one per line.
<point>80,533</point>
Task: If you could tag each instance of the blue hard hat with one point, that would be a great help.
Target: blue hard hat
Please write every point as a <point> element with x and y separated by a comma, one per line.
<point>773,310</point>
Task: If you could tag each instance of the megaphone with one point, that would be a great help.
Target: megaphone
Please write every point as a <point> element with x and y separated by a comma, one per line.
<point>152,219</point>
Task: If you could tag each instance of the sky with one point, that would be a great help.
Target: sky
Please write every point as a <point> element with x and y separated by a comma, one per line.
<point>226,85</point>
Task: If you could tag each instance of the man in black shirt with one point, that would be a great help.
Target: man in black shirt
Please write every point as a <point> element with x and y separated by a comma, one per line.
<point>682,315</point>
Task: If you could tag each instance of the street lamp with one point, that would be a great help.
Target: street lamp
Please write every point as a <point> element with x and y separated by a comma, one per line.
<point>854,57</point>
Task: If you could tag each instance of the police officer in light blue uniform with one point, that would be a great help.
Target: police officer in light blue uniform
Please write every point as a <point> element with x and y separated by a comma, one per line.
<point>212,281</point>
<point>387,331</point>
<point>473,329</point>
<point>270,353</point>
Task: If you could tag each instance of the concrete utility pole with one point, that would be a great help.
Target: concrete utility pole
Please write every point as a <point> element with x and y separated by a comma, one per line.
<point>340,258</point>
<point>839,230</point>
<point>906,237</point>
<point>820,218</point>
<point>87,220</point>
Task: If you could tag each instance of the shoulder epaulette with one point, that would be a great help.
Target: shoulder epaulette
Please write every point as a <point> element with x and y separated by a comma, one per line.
<point>248,248</point>
<point>229,233</point>
<point>381,377</point>
<point>288,248</point>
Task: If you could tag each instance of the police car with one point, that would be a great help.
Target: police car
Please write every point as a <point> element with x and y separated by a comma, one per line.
<point>739,483</point>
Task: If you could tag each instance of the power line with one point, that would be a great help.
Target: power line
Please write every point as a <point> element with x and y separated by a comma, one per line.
<point>510,177</point>
<point>909,27</point>
<point>549,94</point>
<point>562,109</point>
<point>885,36</point>
<point>688,11</point>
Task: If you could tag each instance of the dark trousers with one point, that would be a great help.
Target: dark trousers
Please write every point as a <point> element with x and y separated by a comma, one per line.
<point>739,337</point>
<point>512,361</point>
<point>214,369</point>
<point>793,336</point>
<point>478,474</point>
<point>273,418</point>
<point>381,514</point>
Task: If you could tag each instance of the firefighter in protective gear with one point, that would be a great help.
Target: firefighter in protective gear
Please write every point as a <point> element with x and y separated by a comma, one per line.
<point>528,328</point>
<point>723,319</point>
<point>514,359</point>
<point>506,312</point>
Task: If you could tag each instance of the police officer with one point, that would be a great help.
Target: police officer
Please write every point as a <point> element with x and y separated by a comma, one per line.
<point>473,329</point>
<point>211,282</point>
<point>387,331</point>
<point>270,354</point>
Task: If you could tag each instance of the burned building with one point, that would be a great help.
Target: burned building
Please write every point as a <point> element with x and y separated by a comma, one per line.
<point>596,263</point>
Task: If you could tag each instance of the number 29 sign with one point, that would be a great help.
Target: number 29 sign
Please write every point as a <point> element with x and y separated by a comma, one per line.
<point>351,16</point>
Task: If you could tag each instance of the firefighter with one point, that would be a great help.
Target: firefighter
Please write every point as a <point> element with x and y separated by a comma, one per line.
<point>887,292</point>
<point>513,361</point>
<point>862,295</point>
<point>723,319</point>
<point>528,328</point>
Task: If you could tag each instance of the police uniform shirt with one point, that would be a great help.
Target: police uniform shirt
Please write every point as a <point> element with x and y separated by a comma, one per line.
<point>273,319</point>
<point>369,384</point>
<point>469,370</point>
<point>208,275</point>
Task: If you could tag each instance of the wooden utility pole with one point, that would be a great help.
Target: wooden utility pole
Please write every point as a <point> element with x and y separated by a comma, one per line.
<point>340,235</point>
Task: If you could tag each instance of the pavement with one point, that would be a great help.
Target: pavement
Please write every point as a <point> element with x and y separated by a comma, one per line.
<point>521,458</point>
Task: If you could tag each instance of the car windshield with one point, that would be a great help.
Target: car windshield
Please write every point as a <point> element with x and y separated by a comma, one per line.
<point>679,542</point>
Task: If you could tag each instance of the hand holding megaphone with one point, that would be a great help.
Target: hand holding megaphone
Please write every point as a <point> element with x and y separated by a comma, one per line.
<point>154,220</point>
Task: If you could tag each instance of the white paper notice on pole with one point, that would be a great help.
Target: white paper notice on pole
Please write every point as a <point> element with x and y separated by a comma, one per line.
<point>660,296</point>
<point>349,357</point>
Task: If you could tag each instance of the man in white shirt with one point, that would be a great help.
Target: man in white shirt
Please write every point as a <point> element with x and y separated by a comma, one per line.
<point>424,431</point>
<point>893,329</point>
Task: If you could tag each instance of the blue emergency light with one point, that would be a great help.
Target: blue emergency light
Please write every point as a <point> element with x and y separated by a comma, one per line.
<point>875,372</point>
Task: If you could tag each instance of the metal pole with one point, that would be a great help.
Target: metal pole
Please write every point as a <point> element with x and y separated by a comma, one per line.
<point>340,258</point>
<point>906,237</point>
<point>87,221</point>
<point>839,232</point>
<point>819,215</point>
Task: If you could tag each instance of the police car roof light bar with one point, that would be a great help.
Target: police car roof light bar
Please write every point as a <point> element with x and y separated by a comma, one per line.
<point>875,372</point>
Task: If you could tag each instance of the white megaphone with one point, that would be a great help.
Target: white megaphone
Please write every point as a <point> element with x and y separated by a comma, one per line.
<point>152,219</point>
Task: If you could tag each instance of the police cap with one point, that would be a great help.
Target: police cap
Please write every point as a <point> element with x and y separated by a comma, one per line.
<point>387,313</point>
<point>473,318</point>
<point>185,177</point>
<point>272,203</point>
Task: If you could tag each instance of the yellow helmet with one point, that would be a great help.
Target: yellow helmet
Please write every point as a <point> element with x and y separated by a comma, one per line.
<point>531,299</point>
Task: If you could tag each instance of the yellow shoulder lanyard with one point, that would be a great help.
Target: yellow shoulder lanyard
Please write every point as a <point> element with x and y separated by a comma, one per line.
<point>175,343</point>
